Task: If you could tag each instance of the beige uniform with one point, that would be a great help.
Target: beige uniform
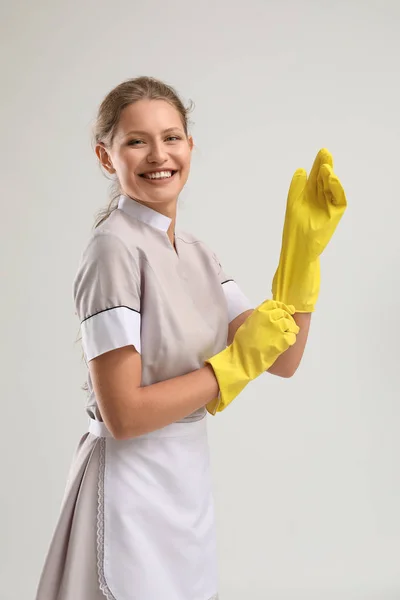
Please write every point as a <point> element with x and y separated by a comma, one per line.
<point>137,521</point>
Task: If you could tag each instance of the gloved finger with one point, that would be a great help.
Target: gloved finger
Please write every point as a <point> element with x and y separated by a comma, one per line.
<point>266,305</point>
<point>284,320</point>
<point>331,182</point>
<point>297,185</point>
<point>330,191</point>
<point>279,313</point>
<point>323,157</point>
<point>289,326</point>
<point>290,338</point>
<point>290,309</point>
<point>324,195</point>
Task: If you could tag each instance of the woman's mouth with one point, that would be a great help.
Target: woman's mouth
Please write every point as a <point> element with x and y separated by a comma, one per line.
<point>158,176</point>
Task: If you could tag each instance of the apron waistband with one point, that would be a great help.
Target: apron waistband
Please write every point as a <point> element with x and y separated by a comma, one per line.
<point>181,429</point>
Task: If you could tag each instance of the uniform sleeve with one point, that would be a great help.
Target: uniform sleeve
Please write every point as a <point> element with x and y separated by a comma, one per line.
<point>236,300</point>
<point>107,296</point>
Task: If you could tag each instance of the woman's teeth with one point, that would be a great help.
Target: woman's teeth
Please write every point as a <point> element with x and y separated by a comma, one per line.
<point>158,175</point>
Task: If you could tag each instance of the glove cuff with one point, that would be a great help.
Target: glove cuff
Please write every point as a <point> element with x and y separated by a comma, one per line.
<point>229,381</point>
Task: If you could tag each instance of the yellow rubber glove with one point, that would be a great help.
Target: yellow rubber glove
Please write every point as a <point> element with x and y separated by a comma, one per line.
<point>313,210</point>
<point>266,333</point>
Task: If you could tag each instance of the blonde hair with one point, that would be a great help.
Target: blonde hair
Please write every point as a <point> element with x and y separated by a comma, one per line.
<point>109,113</point>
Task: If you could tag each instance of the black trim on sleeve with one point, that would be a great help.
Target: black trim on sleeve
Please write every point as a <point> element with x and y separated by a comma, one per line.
<point>112,308</point>
<point>227,281</point>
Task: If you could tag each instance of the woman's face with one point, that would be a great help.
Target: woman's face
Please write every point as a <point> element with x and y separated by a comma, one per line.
<point>150,153</point>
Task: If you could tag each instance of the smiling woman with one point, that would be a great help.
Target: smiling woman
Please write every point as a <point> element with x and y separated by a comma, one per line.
<point>142,131</point>
<point>151,161</point>
<point>167,336</point>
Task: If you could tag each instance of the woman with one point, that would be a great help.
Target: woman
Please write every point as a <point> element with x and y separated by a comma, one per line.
<point>166,336</point>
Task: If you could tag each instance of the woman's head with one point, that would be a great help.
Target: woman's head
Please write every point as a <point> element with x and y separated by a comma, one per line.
<point>142,139</point>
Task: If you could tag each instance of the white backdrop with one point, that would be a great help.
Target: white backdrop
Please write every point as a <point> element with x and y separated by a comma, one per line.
<point>306,470</point>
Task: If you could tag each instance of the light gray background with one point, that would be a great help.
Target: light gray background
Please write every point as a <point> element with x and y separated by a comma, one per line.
<point>306,470</point>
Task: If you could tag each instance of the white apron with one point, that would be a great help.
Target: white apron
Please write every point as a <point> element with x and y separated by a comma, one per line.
<point>156,536</point>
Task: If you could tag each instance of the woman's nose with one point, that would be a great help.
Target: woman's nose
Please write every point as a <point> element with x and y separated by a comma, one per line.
<point>156,154</point>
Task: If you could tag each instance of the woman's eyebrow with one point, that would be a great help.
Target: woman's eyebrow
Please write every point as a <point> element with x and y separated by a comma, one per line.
<point>138,132</point>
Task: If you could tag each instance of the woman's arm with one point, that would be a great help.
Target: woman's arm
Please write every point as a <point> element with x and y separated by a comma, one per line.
<point>287,363</point>
<point>130,410</point>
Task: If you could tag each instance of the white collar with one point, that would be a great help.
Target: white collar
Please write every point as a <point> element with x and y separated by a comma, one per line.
<point>144,213</point>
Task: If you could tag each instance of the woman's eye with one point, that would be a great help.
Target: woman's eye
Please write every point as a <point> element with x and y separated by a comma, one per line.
<point>170,138</point>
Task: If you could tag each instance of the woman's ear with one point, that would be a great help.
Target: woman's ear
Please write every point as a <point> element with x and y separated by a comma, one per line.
<point>191,142</point>
<point>104,158</point>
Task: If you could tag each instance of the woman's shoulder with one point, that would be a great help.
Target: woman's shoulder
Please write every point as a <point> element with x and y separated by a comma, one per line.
<point>114,234</point>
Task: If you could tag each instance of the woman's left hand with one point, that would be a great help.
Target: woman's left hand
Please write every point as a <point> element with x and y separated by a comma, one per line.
<point>315,205</point>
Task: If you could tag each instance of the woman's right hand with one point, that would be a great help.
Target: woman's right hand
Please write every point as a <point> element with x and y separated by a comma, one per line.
<point>265,335</point>
<point>267,332</point>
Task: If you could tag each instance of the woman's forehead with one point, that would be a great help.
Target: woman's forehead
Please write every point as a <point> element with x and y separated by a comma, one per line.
<point>149,116</point>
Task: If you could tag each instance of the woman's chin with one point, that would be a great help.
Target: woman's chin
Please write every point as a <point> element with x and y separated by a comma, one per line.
<point>158,195</point>
<point>163,195</point>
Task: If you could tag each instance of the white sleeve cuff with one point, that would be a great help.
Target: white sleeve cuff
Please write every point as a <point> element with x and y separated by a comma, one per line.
<point>236,300</point>
<point>110,329</point>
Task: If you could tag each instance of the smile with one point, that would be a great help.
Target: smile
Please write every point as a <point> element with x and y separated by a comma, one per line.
<point>157,175</point>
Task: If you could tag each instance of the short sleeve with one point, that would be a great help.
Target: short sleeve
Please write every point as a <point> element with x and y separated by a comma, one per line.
<point>107,296</point>
<point>237,301</point>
